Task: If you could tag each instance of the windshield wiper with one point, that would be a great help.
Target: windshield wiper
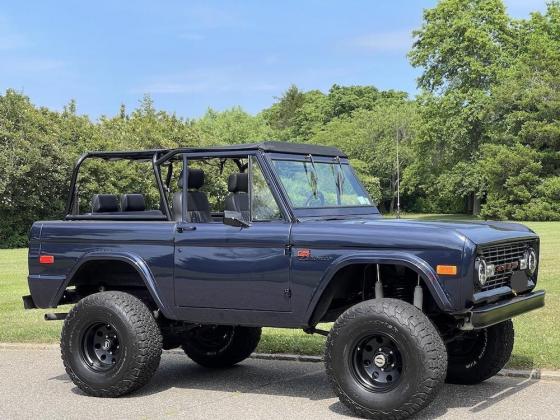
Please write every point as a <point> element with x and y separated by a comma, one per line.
<point>339,180</point>
<point>312,179</point>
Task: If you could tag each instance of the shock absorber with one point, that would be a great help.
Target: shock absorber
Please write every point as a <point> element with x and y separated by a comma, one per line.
<point>418,295</point>
<point>378,285</point>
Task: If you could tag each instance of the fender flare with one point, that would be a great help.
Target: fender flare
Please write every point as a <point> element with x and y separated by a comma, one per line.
<point>411,261</point>
<point>131,259</point>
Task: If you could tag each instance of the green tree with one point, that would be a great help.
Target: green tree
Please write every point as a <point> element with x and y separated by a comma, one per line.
<point>462,47</point>
<point>369,138</point>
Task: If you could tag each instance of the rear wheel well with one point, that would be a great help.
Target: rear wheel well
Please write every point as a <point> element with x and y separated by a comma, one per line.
<point>356,282</point>
<point>102,275</point>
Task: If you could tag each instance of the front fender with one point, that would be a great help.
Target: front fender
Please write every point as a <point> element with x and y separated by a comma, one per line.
<point>384,257</point>
<point>133,260</point>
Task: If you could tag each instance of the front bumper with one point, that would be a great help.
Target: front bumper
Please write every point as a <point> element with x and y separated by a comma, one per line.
<point>495,313</point>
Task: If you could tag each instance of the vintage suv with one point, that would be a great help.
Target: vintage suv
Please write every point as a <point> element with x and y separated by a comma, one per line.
<point>280,235</point>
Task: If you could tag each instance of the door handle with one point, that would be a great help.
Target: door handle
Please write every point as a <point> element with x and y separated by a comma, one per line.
<point>183,228</point>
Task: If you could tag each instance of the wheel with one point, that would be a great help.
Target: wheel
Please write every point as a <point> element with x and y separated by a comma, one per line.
<point>385,359</point>
<point>480,354</point>
<point>110,344</point>
<point>219,346</point>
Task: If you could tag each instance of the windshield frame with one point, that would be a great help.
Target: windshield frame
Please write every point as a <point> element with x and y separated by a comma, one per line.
<point>326,211</point>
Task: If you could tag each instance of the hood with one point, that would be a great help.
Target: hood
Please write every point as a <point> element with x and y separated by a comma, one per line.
<point>409,233</point>
<point>479,232</point>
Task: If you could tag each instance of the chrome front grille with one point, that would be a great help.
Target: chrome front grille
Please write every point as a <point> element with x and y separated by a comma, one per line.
<point>503,254</point>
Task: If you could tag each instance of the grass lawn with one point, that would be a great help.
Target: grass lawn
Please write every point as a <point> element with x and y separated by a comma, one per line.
<point>537,334</point>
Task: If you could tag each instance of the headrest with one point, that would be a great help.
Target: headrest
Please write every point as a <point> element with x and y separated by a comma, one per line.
<point>133,202</point>
<point>238,183</point>
<point>104,203</point>
<point>195,179</point>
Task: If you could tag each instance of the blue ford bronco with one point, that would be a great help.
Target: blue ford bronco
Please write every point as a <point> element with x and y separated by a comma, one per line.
<point>223,241</point>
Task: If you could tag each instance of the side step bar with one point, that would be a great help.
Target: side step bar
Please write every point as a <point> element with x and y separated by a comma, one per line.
<point>59,316</point>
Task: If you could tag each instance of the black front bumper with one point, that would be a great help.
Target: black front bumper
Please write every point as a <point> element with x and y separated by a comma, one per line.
<point>495,313</point>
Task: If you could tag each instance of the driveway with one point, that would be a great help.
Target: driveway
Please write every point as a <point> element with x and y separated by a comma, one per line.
<point>33,384</point>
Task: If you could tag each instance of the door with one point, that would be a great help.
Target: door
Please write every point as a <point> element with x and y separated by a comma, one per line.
<point>225,267</point>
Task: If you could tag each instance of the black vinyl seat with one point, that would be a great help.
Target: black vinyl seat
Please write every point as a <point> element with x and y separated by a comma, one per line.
<point>133,202</point>
<point>198,208</point>
<point>105,203</point>
<point>238,198</point>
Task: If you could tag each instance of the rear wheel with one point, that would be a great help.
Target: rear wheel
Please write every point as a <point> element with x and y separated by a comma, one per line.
<point>110,344</point>
<point>219,346</point>
<point>385,359</point>
<point>480,354</point>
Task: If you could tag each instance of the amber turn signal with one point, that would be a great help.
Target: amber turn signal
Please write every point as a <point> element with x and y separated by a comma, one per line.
<point>447,270</point>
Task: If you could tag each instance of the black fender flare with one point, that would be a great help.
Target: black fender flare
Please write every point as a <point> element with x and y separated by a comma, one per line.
<point>411,261</point>
<point>134,261</point>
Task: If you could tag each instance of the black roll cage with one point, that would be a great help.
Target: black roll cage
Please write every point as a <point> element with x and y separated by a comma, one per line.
<point>159,157</point>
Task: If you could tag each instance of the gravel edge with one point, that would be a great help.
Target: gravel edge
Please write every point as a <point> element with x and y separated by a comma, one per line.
<point>549,375</point>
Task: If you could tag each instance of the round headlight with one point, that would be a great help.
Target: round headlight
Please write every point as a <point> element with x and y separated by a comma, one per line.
<point>481,268</point>
<point>531,258</point>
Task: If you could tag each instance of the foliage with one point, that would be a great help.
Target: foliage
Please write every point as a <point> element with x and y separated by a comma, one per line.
<point>488,81</point>
<point>482,136</point>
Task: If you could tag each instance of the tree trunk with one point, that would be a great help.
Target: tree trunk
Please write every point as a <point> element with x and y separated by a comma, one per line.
<point>476,205</point>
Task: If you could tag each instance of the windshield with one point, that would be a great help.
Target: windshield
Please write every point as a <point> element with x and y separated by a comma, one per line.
<point>312,184</point>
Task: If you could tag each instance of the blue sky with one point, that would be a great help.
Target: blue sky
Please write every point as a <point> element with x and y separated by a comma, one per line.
<point>191,55</point>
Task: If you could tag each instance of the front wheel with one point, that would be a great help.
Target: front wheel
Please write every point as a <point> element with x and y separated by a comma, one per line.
<point>220,346</point>
<point>385,359</point>
<point>478,355</point>
<point>110,344</point>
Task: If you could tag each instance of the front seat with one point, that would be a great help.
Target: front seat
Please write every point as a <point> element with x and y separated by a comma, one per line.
<point>198,208</point>
<point>238,198</point>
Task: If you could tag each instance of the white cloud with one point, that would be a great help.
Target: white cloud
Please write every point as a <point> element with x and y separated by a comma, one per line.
<point>10,39</point>
<point>384,41</point>
<point>233,79</point>
<point>205,16</point>
<point>35,64</point>
<point>192,37</point>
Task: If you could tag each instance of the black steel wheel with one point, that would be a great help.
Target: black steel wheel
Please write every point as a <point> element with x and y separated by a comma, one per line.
<point>220,346</point>
<point>100,347</point>
<point>385,359</point>
<point>110,344</point>
<point>478,355</point>
<point>377,362</point>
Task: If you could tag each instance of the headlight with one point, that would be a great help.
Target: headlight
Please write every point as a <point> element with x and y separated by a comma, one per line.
<point>484,270</point>
<point>529,261</point>
<point>481,268</point>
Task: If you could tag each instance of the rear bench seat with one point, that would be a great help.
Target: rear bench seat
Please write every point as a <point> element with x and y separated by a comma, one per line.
<point>110,207</point>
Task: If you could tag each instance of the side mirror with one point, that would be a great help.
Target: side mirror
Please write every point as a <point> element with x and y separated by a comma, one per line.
<point>235,219</point>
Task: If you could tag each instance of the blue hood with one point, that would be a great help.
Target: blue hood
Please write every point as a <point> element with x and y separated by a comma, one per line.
<point>407,233</point>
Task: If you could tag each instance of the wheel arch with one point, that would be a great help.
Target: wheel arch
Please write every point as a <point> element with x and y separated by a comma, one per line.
<point>321,296</point>
<point>133,261</point>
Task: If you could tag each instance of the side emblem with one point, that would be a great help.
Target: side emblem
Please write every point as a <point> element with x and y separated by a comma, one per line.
<point>304,254</point>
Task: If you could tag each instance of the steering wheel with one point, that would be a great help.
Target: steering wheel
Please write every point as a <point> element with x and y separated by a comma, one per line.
<point>311,198</point>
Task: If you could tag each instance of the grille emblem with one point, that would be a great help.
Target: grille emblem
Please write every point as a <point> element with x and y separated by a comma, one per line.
<point>510,266</point>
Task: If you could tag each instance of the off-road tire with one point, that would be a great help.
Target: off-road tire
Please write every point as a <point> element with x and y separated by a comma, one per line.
<point>424,359</point>
<point>139,341</point>
<point>239,344</point>
<point>489,354</point>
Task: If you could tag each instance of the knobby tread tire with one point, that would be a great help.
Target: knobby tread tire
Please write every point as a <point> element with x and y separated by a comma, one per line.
<point>427,341</point>
<point>489,361</point>
<point>143,346</point>
<point>243,343</point>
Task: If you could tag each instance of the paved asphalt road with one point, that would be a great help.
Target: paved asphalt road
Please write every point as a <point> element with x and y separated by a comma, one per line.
<point>33,385</point>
